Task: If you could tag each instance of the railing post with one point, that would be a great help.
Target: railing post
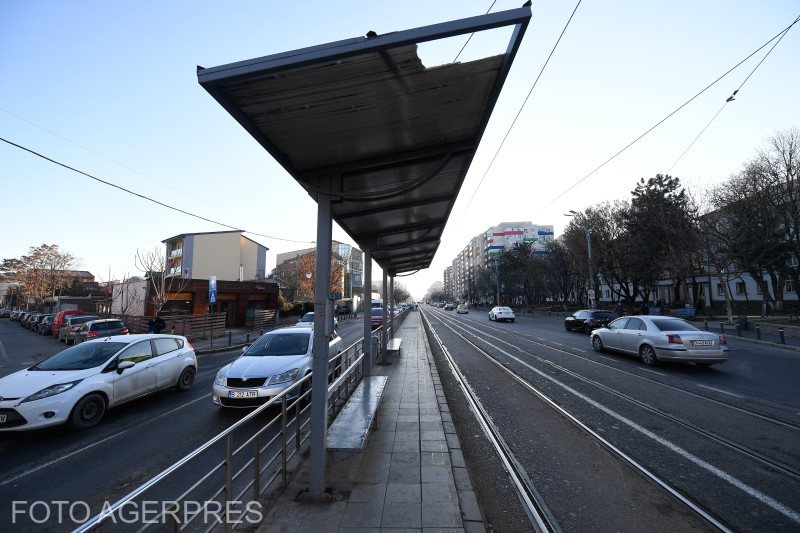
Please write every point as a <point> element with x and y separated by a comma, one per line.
<point>283,439</point>
<point>228,480</point>
<point>721,327</point>
<point>230,338</point>
<point>173,526</point>
<point>758,332</point>
<point>247,338</point>
<point>705,322</point>
<point>783,339</point>
<point>256,467</point>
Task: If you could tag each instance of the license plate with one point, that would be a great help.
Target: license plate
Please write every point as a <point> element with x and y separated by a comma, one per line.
<point>702,343</point>
<point>242,394</point>
<point>3,419</point>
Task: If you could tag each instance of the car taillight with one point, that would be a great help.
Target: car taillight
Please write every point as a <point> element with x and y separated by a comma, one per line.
<point>91,334</point>
<point>189,345</point>
<point>674,339</point>
<point>723,341</point>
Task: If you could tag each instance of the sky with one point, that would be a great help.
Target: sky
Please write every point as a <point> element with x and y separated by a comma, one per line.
<point>110,89</point>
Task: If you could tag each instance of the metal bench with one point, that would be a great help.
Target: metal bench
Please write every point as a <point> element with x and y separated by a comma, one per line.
<point>349,431</point>
<point>685,312</point>
<point>394,345</point>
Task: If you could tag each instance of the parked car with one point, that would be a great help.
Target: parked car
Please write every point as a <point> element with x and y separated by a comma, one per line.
<point>377,316</point>
<point>95,329</point>
<point>28,320</point>
<point>276,361</point>
<point>46,326</point>
<point>502,313</point>
<point>463,309</point>
<point>15,315</point>
<point>61,317</point>
<point>588,320</point>
<point>79,384</point>
<point>661,338</point>
<point>37,322</point>
<point>71,326</point>
<point>5,313</point>
<point>449,307</point>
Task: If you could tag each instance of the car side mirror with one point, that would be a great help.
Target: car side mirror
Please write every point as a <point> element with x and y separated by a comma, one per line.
<point>244,348</point>
<point>123,365</point>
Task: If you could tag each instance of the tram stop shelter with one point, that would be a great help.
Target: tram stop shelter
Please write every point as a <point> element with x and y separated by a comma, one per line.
<point>380,141</point>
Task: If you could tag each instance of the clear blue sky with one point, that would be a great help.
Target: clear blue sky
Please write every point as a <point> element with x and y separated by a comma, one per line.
<point>110,88</point>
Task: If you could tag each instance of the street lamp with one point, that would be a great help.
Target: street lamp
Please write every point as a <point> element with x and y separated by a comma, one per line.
<point>581,220</point>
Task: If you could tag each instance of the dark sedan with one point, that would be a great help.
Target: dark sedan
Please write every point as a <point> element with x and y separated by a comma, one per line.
<point>588,320</point>
<point>94,329</point>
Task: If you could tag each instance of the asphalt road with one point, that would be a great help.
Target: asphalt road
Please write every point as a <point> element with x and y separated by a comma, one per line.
<point>661,417</point>
<point>132,443</point>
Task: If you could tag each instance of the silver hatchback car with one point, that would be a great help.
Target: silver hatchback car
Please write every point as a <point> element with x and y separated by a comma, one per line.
<point>661,338</point>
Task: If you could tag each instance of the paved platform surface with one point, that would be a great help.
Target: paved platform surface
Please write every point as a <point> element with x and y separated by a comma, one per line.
<point>411,476</point>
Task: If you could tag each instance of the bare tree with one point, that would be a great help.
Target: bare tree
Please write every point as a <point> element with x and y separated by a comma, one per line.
<point>154,265</point>
<point>44,271</point>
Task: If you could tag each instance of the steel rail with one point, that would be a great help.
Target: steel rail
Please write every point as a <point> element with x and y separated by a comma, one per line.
<point>607,444</point>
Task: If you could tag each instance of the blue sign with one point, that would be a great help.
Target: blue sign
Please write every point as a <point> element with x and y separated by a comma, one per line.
<point>212,290</point>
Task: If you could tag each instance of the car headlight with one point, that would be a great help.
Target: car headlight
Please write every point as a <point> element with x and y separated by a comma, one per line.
<point>221,379</point>
<point>283,378</point>
<point>51,391</point>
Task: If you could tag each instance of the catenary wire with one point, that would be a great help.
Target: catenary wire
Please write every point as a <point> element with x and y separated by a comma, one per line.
<point>162,204</point>
<point>520,111</point>
<point>637,139</point>
<point>471,34</point>
<point>731,97</point>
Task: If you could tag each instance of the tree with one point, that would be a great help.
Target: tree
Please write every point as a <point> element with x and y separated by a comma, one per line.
<point>45,271</point>
<point>308,263</point>
<point>154,265</point>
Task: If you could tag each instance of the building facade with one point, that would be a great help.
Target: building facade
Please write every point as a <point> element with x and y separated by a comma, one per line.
<point>228,255</point>
<point>352,261</point>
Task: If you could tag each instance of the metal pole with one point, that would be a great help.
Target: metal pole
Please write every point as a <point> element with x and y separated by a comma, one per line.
<point>497,279</point>
<point>591,268</point>
<point>384,326</point>
<point>369,355</point>
<point>392,304</point>
<point>319,384</point>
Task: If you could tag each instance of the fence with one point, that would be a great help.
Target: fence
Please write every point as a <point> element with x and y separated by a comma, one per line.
<point>246,464</point>
<point>190,326</point>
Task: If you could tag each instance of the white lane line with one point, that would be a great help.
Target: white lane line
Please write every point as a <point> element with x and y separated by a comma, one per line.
<point>556,343</point>
<point>607,358</point>
<point>653,371</point>
<point>58,460</point>
<point>753,492</point>
<point>720,390</point>
<point>3,353</point>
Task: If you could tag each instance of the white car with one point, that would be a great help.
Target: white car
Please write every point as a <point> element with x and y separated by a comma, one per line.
<point>77,385</point>
<point>276,361</point>
<point>502,313</point>
<point>661,338</point>
<point>308,321</point>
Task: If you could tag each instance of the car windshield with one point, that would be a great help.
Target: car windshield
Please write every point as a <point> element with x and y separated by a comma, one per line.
<point>280,344</point>
<point>81,357</point>
<point>308,317</point>
<point>665,324</point>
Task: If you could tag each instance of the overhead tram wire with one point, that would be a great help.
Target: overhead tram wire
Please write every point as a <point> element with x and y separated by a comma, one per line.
<point>637,139</point>
<point>471,34</point>
<point>520,111</point>
<point>162,204</point>
<point>731,97</point>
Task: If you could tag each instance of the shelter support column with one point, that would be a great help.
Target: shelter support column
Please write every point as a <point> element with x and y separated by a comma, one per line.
<point>391,304</point>
<point>319,384</point>
<point>385,326</point>
<point>369,357</point>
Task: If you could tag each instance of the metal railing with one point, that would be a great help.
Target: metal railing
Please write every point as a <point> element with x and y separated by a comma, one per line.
<point>227,477</point>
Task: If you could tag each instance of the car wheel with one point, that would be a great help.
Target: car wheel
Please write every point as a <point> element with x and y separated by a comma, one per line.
<point>186,379</point>
<point>305,388</point>
<point>648,355</point>
<point>597,343</point>
<point>587,329</point>
<point>88,411</point>
<point>566,327</point>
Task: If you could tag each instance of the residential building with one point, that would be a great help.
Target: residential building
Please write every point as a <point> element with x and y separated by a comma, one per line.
<point>228,255</point>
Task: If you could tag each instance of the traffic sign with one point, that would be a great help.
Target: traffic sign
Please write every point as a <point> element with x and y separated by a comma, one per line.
<point>212,290</point>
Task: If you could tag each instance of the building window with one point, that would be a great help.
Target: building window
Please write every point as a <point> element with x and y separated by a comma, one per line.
<point>740,288</point>
<point>720,292</point>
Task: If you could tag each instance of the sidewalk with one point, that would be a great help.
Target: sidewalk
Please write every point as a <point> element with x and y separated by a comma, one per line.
<point>411,476</point>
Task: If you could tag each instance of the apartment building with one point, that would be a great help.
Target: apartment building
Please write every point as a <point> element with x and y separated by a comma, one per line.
<point>228,255</point>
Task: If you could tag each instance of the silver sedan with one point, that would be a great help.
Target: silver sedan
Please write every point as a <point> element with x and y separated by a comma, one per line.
<point>661,338</point>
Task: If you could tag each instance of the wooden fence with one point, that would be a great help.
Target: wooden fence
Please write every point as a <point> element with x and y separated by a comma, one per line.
<point>194,326</point>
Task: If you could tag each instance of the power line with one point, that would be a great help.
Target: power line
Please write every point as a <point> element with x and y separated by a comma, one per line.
<point>471,34</point>
<point>637,139</point>
<point>731,97</point>
<point>143,197</point>
<point>520,111</point>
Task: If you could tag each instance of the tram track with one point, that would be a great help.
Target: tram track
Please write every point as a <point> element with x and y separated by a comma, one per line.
<point>480,337</point>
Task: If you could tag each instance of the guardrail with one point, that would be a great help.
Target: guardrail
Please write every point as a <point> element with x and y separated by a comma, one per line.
<point>225,479</point>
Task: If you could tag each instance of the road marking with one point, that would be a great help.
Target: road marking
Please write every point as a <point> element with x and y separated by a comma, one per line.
<point>58,460</point>
<point>720,390</point>
<point>607,358</point>
<point>653,371</point>
<point>556,343</point>
<point>3,352</point>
